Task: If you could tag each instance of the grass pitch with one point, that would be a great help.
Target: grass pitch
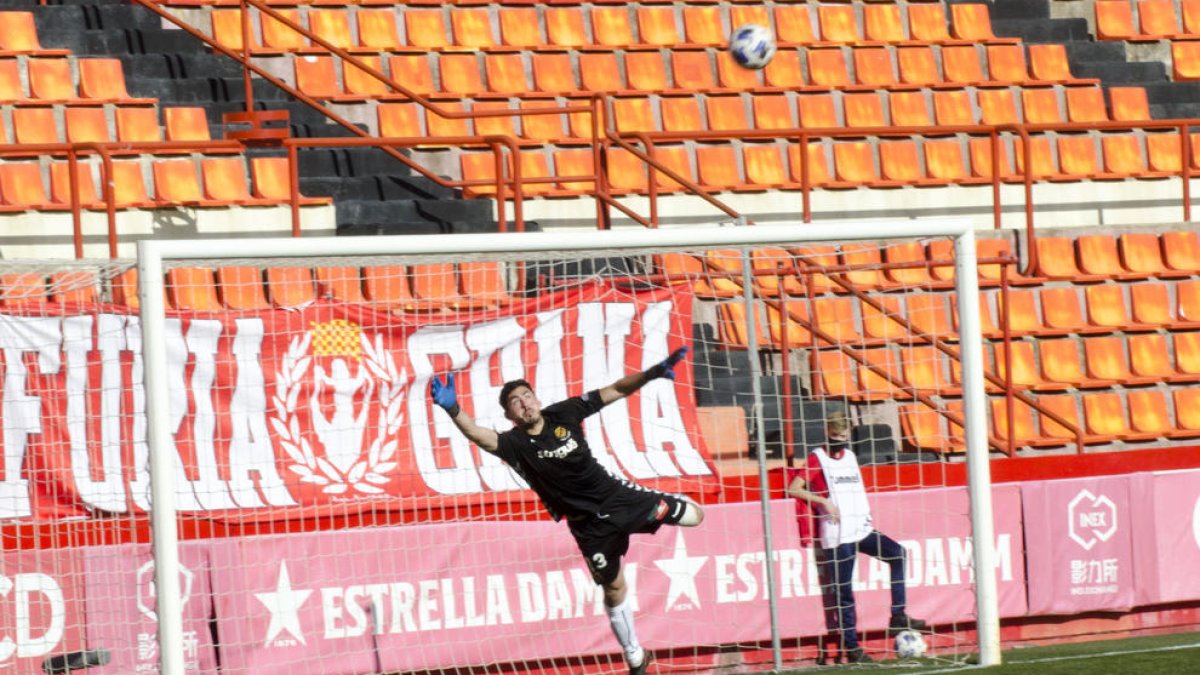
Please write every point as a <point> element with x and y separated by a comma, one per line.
<point>1154,655</point>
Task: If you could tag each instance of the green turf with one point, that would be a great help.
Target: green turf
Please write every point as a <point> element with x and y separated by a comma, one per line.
<point>1156,655</point>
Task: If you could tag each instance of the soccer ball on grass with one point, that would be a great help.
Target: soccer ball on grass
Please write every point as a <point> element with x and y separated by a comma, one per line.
<point>909,644</point>
<point>752,46</point>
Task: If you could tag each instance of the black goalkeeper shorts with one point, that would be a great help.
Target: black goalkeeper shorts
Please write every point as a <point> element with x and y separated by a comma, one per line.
<point>603,538</point>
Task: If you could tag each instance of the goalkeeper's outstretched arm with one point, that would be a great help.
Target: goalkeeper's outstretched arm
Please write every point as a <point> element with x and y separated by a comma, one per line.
<point>444,396</point>
<point>631,383</point>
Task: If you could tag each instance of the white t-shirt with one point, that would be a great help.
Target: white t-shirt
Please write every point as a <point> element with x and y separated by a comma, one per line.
<point>844,481</point>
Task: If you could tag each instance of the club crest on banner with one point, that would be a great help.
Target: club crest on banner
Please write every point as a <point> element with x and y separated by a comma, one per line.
<point>348,376</point>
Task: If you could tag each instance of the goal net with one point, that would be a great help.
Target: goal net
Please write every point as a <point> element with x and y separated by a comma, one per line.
<point>315,511</point>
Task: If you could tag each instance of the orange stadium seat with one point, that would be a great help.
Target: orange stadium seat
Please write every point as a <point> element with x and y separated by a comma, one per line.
<point>564,27</point>
<point>1122,155</point>
<point>764,166</point>
<point>1048,63</point>
<point>1150,358</point>
<point>426,29</point>
<point>23,289</point>
<point>794,316</point>
<point>340,283</point>
<point>1150,305</point>
<point>793,24</point>
<point>917,65</point>
<point>484,282</point>
<point>176,182</point>
<point>837,23</point>
<point>505,73</point>
<point>225,180</point>
<point>726,113</point>
<point>863,109</point>
<point>785,71</point>
<point>138,124</point>
<point>50,80</point>
<point>1185,60</point>
<point>899,163</point>
<point>1189,12</point>
<point>278,36</point>
<point>1181,251</point>
<point>827,68</point>
<point>1064,406</point>
<point>1024,365</point>
<point>460,74</point>
<point>909,109</point>
<point>1157,18</point>
<point>1086,104</point>
<point>883,23</point>
<point>1114,20</point>
<point>1006,63</point>
<point>377,30</point>
<point>646,71</point>
<point>811,165</point>
<point>1105,360</point>
<point>834,318</point>
<point>1022,428</point>
<point>864,260</point>
<point>18,35</point>
<point>129,185</point>
<point>873,67</point>
<point>86,125</point>
<point>186,124</point>
<point>953,108</point>
<point>290,286</point>
<point>471,28</point>
<point>60,184</point>
<point>1106,308</point>
<point>73,286</point>
<point>361,83</point>
<point>1061,366</point>
<point>692,71</point>
<point>730,75</point>
<point>611,27</point>
<point>927,429</point>
<point>193,288</point>
<point>22,186</point>
<point>241,288</point>
<point>927,22</point>
<point>1104,415</point>
<point>331,25</point>
<point>1141,254</point>
<point>1186,347</point>
<point>971,22</point>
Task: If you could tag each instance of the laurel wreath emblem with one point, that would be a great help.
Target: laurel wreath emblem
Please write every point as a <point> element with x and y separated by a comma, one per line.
<point>367,475</point>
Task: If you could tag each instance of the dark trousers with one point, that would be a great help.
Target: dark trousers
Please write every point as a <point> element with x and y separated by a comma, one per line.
<point>836,568</point>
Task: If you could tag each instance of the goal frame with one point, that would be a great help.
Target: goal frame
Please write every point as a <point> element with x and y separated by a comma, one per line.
<point>153,254</point>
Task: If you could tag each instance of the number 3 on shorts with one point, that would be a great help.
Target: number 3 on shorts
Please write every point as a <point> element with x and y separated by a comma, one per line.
<point>598,562</point>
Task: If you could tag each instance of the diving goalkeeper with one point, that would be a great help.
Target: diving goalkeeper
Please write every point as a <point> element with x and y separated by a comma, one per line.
<point>547,448</point>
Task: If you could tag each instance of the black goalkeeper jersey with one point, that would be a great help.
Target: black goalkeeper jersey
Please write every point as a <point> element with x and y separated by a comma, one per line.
<point>558,464</point>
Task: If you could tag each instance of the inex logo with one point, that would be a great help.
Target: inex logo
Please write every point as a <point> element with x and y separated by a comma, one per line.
<point>147,601</point>
<point>1091,519</point>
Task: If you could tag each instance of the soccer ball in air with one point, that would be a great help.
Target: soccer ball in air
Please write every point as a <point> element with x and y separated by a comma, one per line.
<point>909,644</point>
<point>752,46</point>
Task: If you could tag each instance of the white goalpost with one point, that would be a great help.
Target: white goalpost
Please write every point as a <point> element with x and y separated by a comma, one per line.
<point>328,400</point>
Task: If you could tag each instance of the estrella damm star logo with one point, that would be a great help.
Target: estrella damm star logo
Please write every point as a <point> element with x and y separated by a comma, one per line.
<point>560,433</point>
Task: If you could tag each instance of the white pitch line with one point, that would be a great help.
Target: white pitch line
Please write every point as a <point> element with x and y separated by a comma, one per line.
<point>1077,657</point>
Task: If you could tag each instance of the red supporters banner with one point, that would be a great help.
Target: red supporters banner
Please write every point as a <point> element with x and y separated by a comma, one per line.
<point>328,406</point>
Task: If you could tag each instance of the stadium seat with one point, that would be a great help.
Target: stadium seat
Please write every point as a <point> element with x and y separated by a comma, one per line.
<point>471,28</point>
<point>241,288</point>
<point>971,22</point>
<point>873,67</point>
<point>960,65</point>
<point>483,282</point>
<point>1086,104</point>
<point>11,88</point>
<point>186,124</point>
<point>998,106</point>
<point>927,314</point>
<point>50,81</point>
<point>87,125</point>
<point>909,109</point>
<point>1041,105</point>
<point>340,283</point>
<point>1189,12</point>
<point>73,287</point>
<point>1104,415</point>
<point>611,27</point>
<point>1106,360</point>
<point>103,80</point>
<point>812,165</point>
<point>1122,155</point>
<point>34,125</point>
<point>361,83</point>
<point>953,107</point>
<point>553,73</point>
<point>927,22</point>
<point>193,288</point>
<point>734,331</point>
<point>1181,251</point>
<point>1006,63</point>
<point>827,68</point>
<point>1106,308</point>
<point>887,323</point>
<point>944,161</point>
<point>883,23</point>
<point>880,377</point>
<point>1065,406</point>
<point>18,36</point>
<point>926,429</point>
<point>917,65</point>
<point>574,163</point>
<point>1061,311</point>
<point>1185,60</point>
<point>764,166</point>
<point>656,26</point>
<point>768,259</point>
<point>225,180</point>
<point>23,289</point>
<point>864,110</point>
<point>1186,402</point>
<point>176,182</point>
<point>911,252</point>
<point>1048,63</point>
<point>864,261</point>
<point>1024,364</point>
<point>834,319</point>
<point>460,74</point>
<point>1060,365</point>
<point>388,286</point>
<point>1114,20</point>
<point>60,185</point>
<point>785,71</point>
<point>1150,357</point>
<point>1057,259</point>
<point>22,187</point>
<point>277,36</point>
<point>138,124</point>
<point>1157,18</point>
<point>923,370</point>
<point>812,258</point>
<point>1099,256</point>
<point>1141,254</point>
<point>1023,430</point>
<point>1148,414</point>
<point>377,30</point>
<point>1129,104</point>
<point>418,73</point>
<point>1018,308</point>
<point>1150,304</point>
<point>564,27</point>
<point>794,315</point>
<point>793,25</point>
<point>837,23</point>
<point>290,286</point>
<point>854,163</point>
<point>436,286</point>
<point>331,25</point>
<point>838,375</point>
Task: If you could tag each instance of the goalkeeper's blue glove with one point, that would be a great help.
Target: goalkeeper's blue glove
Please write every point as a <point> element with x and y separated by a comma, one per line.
<point>667,367</point>
<point>444,396</point>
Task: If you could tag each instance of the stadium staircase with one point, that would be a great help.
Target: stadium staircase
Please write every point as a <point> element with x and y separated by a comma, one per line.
<point>371,192</point>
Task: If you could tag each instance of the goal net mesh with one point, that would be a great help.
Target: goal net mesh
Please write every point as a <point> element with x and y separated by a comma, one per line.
<point>332,519</point>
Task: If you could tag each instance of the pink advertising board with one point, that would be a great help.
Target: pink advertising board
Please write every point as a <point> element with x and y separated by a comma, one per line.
<point>462,594</point>
<point>122,605</point>
<point>41,607</point>
<point>1078,535</point>
<point>1166,535</point>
